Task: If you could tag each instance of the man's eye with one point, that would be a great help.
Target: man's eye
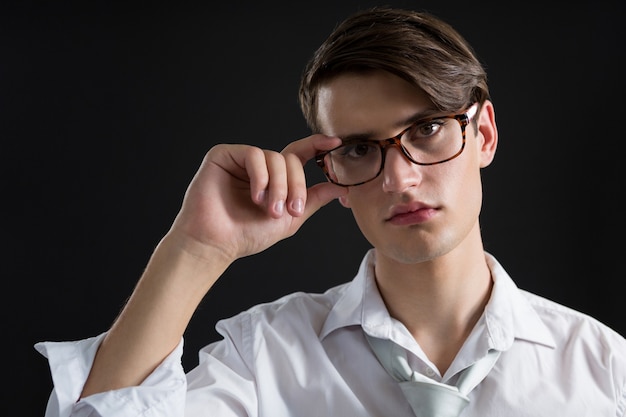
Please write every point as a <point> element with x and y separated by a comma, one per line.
<point>358,150</point>
<point>427,129</point>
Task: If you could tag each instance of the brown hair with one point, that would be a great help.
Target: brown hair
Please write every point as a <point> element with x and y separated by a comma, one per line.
<point>415,46</point>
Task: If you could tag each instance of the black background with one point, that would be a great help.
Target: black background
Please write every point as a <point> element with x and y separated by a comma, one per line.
<point>106,111</point>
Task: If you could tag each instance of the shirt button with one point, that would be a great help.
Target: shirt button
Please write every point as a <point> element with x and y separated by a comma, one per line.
<point>430,372</point>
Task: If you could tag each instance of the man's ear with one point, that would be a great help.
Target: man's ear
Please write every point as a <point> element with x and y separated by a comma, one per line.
<point>344,200</point>
<point>487,129</point>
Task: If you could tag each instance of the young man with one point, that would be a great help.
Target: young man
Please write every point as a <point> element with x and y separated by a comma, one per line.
<point>427,285</point>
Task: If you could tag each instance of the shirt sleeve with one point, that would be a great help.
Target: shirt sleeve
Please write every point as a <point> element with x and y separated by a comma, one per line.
<point>222,382</point>
<point>161,394</point>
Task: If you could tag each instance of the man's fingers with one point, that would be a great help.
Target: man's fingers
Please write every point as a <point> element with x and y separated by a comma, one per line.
<point>255,164</point>
<point>296,155</point>
<point>296,183</point>
<point>278,187</point>
<point>321,194</point>
<point>310,146</point>
<point>277,180</point>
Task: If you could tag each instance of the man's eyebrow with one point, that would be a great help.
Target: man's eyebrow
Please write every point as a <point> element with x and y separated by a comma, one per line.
<point>399,125</point>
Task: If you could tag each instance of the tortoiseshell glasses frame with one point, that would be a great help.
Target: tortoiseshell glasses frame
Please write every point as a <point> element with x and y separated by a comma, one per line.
<point>324,159</point>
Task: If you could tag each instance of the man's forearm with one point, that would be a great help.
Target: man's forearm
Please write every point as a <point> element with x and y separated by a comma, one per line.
<point>155,317</point>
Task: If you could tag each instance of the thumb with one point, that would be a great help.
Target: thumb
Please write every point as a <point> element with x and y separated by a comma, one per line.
<point>321,194</point>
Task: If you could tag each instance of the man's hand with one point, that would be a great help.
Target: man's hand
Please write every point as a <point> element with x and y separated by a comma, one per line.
<point>244,199</point>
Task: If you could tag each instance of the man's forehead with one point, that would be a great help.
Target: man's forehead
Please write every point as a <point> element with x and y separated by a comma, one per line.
<point>369,104</point>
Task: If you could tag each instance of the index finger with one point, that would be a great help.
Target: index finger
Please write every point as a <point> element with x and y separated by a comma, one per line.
<point>310,146</point>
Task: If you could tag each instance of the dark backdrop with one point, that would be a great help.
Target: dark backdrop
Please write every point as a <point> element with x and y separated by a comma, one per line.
<point>106,112</point>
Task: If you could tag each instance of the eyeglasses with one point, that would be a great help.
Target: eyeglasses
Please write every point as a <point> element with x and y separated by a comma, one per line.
<point>430,141</point>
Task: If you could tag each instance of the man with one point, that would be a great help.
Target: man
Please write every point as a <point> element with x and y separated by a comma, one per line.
<point>427,292</point>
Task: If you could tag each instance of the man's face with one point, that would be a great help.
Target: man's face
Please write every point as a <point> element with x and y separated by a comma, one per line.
<point>409,213</point>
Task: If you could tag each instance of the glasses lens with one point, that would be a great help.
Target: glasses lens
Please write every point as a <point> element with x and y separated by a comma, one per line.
<point>354,163</point>
<point>427,142</point>
<point>434,140</point>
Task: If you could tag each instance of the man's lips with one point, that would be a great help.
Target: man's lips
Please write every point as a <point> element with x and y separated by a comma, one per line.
<point>413,213</point>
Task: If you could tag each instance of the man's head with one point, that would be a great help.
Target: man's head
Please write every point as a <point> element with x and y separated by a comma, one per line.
<point>417,47</point>
<point>398,88</point>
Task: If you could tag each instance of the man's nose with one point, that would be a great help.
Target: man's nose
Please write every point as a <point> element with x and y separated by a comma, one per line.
<point>399,172</point>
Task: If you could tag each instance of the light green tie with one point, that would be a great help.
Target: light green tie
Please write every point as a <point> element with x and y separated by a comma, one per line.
<point>427,397</point>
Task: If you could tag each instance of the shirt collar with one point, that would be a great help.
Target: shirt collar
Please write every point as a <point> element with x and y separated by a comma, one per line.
<point>348,310</point>
<point>508,314</point>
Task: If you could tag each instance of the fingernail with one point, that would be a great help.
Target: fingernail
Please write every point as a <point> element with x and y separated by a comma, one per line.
<point>297,205</point>
<point>261,196</point>
<point>279,206</point>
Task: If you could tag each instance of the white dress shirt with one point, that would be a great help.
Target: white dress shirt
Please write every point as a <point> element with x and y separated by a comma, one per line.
<point>306,355</point>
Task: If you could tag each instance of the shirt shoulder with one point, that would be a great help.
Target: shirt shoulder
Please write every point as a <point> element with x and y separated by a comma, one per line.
<point>297,309</point>
<point>573,326</point>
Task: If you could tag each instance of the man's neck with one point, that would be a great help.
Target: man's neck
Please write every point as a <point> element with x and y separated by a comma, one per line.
<point>439,301</point>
